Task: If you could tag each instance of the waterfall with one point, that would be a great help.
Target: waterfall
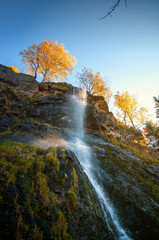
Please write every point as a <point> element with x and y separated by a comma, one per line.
<point>78,145</point>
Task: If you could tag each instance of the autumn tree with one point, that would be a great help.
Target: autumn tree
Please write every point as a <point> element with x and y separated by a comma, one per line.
<point>30,56</point>
<point>93,83</point>
<point>131,111</point>
<point>50,59</point>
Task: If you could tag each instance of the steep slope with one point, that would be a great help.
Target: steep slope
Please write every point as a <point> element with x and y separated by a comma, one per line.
<point>43,116</point>
<point>45,195</point>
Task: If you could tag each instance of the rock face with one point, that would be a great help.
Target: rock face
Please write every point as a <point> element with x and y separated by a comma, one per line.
<point>24,84</point>
<point>44,118</point>
<point>132,187</point>
<point>40,118</point>
<point>49,103</point>
<point>99,118</point>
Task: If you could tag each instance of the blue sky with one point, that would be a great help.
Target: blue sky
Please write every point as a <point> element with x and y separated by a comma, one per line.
<point>124,47</point>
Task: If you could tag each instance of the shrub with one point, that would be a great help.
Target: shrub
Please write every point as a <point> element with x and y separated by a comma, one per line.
<point>16,70</point>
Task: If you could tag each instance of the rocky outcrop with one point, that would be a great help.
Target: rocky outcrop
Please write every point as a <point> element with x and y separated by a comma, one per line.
<point>99,118</point>
<point>24,84</point>
<point>50,103</point>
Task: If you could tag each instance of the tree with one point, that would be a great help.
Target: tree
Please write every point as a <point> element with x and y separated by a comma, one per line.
<point>151,131</point>
<point>30,56</point>
<point>113,8</point>
<point>131,111</point>
<point>50,59</point>
<point>93,83</point>
<point>55,61</point>
<point>127,104</point>
<point>157,106</point>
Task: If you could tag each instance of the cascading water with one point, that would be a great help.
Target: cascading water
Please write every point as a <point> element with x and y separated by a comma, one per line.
<point>85,155</point>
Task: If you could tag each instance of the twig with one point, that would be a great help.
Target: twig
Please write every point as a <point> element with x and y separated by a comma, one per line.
<point>113,8</point>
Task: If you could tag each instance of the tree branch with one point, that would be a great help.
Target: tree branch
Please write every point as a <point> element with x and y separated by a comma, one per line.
<point>113,8</point>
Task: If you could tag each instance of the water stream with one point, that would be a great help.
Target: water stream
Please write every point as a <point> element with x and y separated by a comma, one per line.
<point>85,155</point>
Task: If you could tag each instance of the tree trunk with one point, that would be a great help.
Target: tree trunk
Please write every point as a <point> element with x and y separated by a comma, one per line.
<point>125,118</point>
<point>132,122</point>
<point>35,75</point>
<point>44,77</point>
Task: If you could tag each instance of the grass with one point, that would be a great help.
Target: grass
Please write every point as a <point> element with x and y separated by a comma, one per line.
<point>31,170</point>
<point>145,153</point>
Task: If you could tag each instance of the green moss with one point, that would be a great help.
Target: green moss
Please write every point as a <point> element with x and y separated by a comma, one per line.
<point>72,200</point>
<point>63,153</point>
<point>29,170</point>
<point>59,228</point>
<point>40,163</point>
<point>43,187</point>
<point>52,158</point>
<point>5,133</point>
<point>74,180</point>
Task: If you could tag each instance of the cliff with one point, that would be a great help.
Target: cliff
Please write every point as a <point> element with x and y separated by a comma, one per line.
<point>45,193</point>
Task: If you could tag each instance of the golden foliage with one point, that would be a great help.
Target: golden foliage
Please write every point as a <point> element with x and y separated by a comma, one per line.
<point>50,59</point>
<point>94,83</point>
<point>128,104</point>
<point>16,70</point>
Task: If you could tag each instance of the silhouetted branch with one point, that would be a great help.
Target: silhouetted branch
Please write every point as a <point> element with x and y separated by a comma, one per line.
<point>113,8</point>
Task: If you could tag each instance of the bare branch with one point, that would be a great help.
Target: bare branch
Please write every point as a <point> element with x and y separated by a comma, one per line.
<point>113,8</point>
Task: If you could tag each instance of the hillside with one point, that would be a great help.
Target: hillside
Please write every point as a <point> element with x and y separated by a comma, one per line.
<point>61,175</point>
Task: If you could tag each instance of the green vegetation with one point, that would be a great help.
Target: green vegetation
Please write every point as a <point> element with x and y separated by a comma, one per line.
<point>144,152</point>
<point>72,200</point>
<point>59,228</point>
<point>31,171</point>
<point>5,133</point>
<point>74,180</point>
<point>132,168</point>
<point>151,131</point>
<point>52,158</point>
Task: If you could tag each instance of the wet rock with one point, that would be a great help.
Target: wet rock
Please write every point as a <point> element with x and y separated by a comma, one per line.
<point>132,187</point>
<point>6,122</point>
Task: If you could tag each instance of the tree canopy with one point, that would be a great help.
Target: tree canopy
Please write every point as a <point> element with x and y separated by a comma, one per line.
<point>94,83</point>
<point>131,111</point>
<point>50,59</point>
